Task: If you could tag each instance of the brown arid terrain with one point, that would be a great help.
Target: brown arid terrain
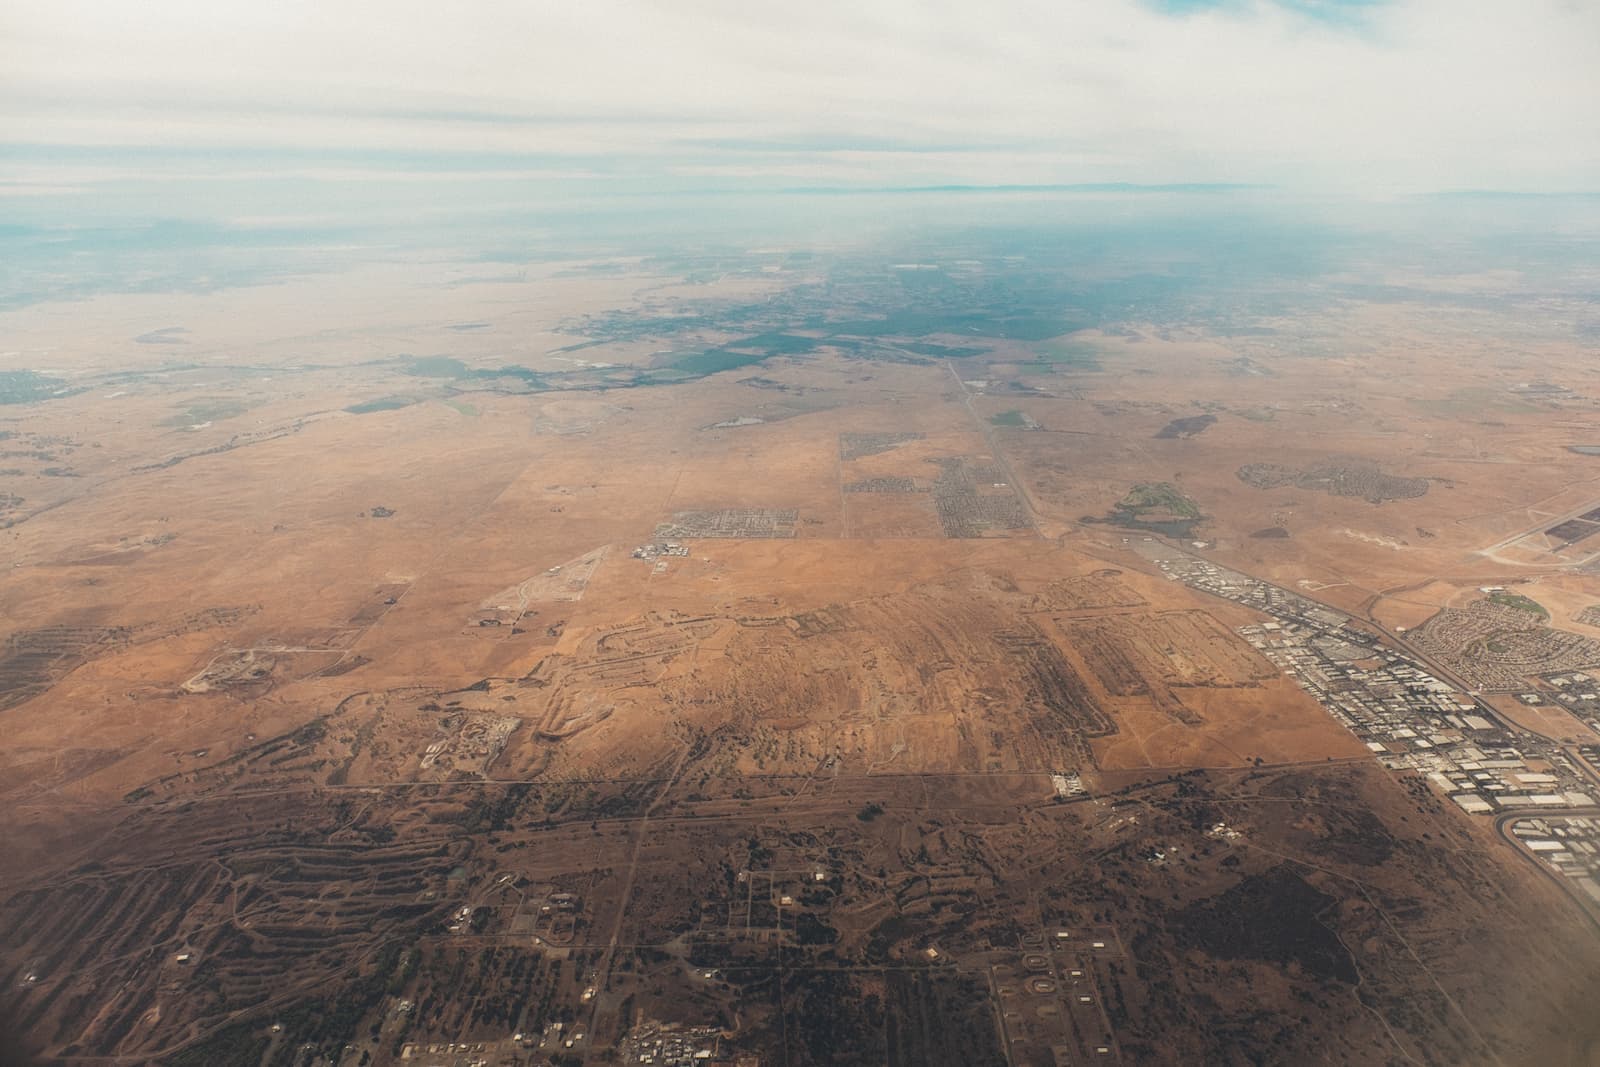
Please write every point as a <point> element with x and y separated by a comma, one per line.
<point>506,669</point>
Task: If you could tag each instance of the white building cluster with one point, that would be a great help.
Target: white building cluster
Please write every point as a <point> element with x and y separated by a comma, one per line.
<point>1569,845</point>
<point>1411,719</point>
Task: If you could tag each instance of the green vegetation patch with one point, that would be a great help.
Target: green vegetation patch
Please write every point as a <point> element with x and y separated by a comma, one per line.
<point>1033,328</point>
<point>658,376</point>
<point>437,367</point>
<point>1518,602</point>
<point>1014,419</point>
<point>385,403</point>
<point>1476,400</point>
<point>1079,355</point>
<point>1023,326</point>
<point>208,409</point>
<point>452,369</point>
<point>777,344</point>
<point>743,353</point>
<point>1156,507</point>
<point>512,370</point>
<point>715,360</point>
<point>1257,414</point>
<point>26,386</point>
<point>923,348</point>
<point>1162,497</point>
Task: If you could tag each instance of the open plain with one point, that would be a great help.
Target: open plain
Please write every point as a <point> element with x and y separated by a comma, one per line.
<point>770,654</point>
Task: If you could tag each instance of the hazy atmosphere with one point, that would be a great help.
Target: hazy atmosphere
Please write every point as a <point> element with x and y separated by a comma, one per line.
<point>244,113</point>
<point>818,535</point>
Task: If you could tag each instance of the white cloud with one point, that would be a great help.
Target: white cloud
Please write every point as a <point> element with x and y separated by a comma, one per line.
<point>1409,95</point>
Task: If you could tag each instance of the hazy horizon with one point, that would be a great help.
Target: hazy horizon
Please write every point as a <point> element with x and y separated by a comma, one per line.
<point>213,111</point>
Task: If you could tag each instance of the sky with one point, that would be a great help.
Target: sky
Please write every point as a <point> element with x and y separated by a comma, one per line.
<point>243,111</point>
